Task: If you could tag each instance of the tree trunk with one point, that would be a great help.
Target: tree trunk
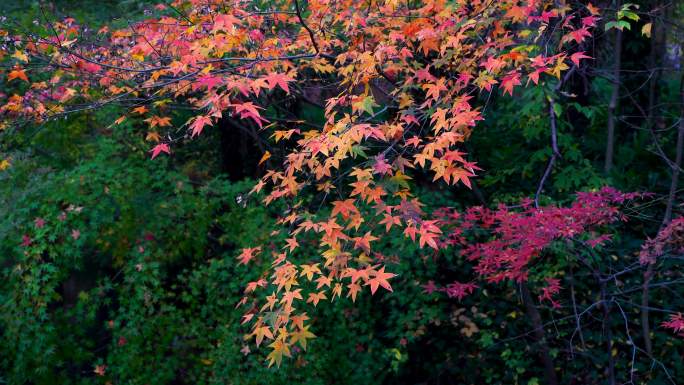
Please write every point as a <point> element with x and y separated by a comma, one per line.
<point>667,217</point>
<point>674,181</point>
<point>608,332</point>
<point>550,377</point>
<point>613,104</point>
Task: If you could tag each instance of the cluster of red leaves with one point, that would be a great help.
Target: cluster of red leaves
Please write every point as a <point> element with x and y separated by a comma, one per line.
<point>515,237</point>
<point>456,289</point>
<point>552,288</point>
<point>675,323</point>
<point>669,239</point>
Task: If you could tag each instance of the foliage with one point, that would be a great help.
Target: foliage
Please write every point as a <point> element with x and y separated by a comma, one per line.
<point>347,119</point>
<point>428,63</point>
<point>115,265</point>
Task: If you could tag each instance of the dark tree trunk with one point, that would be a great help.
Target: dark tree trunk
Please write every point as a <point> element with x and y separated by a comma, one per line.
<point>613,104</point>
<point>550,377</point>
<point>239,150</point>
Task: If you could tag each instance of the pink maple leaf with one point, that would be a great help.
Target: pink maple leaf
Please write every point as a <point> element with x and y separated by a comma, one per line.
<point>158,149</point>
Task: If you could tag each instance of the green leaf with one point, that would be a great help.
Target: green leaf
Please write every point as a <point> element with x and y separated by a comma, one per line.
<point>366,104</point>
<point>610,24</point>
<point>359,150</point>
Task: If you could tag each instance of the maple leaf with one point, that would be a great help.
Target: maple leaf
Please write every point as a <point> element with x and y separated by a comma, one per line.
<point>225,22</point>
<point>280,134</point>
<point>589,21</point>
<point>323,281</point>
<point>493,65</point>
<point>592,9</point>
<point>424,74</point>
<point>430,287</point>
<point>210,82</point>
<point>5,164</point>
<point>485,82</point>
<point>17,73</point>
<point>153,136</point>
<point>316,297</point>
<point>158,121</point>
<point>381,166</point>
<point>289,297</point>
<point>198,124</point>
<point>309,270</point>
<point>280,349</point>
<point>433,90</point>
<point>100,370</point>
<point>558,68</point>
<point>365,104</point>
<point>251,111</point>
<point>390,221</point>
<point>262,332</point>
<point>301,336</point>
<point>264,157</point>
<point>278,79</point>
<point>575,57</point>
<point>380,279</point>
<point>413,141</point>
<point>21,56</point>
<point>676,323</point>
<point>245,350</point>
<point>353,291</point>
<point>292,243</point>
<point>534,75</point>
<point>247,255</point>
<point>509,81</point>
<point>158,149</point>
<point>580,34</point>
<point>459,290</point>
<point>26,241</point>
<point>241,302</point>
<point>363,243</point>
<point>356,274</point>
<point>345,208</point>
<point>516,13</point>
<point>140,110</point>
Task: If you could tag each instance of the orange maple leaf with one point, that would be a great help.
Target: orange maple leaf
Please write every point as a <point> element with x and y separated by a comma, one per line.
<point>248,254</point>
<point>17,73</point>
<point>380,279</point>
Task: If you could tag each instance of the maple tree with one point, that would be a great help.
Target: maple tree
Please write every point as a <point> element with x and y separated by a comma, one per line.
<point>404,81</point>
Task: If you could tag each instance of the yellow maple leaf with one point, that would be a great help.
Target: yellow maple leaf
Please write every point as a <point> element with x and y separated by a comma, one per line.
<point>21,56</point>
<point>265,157</point>
<point>153,136</point>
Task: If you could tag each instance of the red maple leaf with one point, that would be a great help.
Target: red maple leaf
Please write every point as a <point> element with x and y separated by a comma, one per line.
<point>209,81</point>
<point>676,323</point>
<point>158,149</point>
<point>247,255</point>
<point>278,79</point>
<point>509,81</point>
<point>198,124</point>
<point>577,56</point>
<point>381,166</point>
<point>251,111</point>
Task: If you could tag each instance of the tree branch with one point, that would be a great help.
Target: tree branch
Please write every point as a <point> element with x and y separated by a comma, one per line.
<point>303,23</point>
